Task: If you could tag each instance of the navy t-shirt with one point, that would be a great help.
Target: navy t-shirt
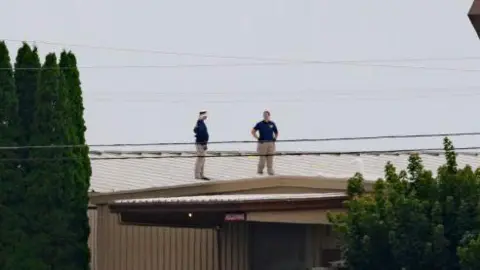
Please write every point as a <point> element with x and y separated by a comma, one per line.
<point>201,132</point>
<point>266,130</point>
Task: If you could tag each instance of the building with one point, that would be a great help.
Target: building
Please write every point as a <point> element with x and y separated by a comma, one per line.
<point>149,213</point>
<point>474,16</point>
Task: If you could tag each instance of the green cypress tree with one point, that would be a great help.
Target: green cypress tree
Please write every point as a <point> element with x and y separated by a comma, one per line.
<point>51,184</point>
<point>9,120</point>
<point>10,177</point>
<point>27,68</point>
<point>79,224</point>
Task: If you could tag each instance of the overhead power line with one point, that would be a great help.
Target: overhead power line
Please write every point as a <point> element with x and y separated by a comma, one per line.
<point>257,92</point>
<point>231,155</point>
<point>308,99</point>
<point>180,66</point>
<point>406,136</point>
<point>232,57</point>
<point>259,61</point>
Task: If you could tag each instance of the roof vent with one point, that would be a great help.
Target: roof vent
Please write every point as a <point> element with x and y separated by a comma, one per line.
<point>358,165</point>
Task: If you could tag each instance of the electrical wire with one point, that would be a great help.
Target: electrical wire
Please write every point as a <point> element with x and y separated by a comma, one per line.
<point>382,137</point>
<point>314,95</point>
<point>287,100</point>
<point>278,61</point>
<point>269,92</point>
<point>217,56</point>
<point>231,155</point>
<point>371,65</point>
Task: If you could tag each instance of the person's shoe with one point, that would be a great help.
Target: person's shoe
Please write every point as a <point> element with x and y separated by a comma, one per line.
<point>260,172</point>
<point>271,173</point>
<point>205,178</point>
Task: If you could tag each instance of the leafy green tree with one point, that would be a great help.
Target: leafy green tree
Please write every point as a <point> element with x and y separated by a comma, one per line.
<point>79,204</point>
<point>470,253</point>
<point>11,195</point>
<point>411,219</point>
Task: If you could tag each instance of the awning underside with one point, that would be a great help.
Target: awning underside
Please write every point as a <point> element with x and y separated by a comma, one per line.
<point>215,210</point>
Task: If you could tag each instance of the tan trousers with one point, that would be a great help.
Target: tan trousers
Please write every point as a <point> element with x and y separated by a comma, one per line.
<point>200,163</point>
<point>266,148</point>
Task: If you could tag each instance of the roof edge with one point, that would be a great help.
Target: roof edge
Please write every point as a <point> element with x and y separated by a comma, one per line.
<point>219,187</point>
<point>246,206</point>
<point>227,198</point>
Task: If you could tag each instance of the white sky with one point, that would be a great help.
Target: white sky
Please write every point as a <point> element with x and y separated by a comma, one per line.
<point>140,105</point>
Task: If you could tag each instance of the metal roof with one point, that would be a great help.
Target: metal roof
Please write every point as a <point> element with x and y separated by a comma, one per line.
<point>231,198</point>
<point>120,171</point>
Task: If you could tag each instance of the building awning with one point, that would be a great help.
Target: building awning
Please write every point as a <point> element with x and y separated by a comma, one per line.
<point>214,210</point>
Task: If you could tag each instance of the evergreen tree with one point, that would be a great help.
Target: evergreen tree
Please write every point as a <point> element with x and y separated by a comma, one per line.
<point>79,224</point>
<point>10,176</point>
<point>27,68</point>
<point>51,175</point>
<point>413,220</point>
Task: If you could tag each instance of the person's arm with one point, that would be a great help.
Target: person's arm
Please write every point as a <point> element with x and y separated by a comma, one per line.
<point>195,128</point>
<point>275,131</point>
<point>254,131</point>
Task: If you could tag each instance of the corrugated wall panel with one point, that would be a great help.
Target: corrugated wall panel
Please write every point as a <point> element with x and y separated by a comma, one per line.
<point>126,247</point>
<point>234,246</point>
<point>92,239</point>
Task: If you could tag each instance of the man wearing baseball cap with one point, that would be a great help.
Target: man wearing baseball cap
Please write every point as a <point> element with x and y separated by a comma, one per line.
<point>267,135</point>
<point>201,141</point>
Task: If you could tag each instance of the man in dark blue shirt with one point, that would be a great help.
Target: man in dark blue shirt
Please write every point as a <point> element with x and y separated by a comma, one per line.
<point>201,141</point>
<point>267,135</point>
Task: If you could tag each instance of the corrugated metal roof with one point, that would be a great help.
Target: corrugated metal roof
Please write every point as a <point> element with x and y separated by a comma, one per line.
<point>147,170</point>
<point>232,198</point>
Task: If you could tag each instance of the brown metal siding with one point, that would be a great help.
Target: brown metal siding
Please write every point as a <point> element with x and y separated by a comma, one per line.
<point>92,239</point>
<point>126,247</point>
<point>234,246</point>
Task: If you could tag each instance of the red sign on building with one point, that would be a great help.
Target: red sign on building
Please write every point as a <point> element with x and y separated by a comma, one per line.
<point>235,217</point>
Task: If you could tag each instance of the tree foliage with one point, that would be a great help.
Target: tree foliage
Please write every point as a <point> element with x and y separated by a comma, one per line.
<point>412,219</point>
<point>79,203</point>
<point>470,253</point>
<point>43,191</point>
<point>27,68</point>
<point>10,176</point>
<point>50,180</point>
<point>9,121</point>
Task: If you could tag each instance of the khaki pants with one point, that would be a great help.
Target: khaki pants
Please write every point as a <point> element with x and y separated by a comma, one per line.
<point>200,163</point>
<point>266,148</point>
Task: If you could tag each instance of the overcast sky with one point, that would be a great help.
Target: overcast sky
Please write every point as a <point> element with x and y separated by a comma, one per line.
<point>141,105</point>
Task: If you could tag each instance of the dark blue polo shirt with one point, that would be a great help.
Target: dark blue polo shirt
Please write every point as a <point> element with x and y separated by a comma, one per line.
<point>201,132</point>
<point>266,130</point>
